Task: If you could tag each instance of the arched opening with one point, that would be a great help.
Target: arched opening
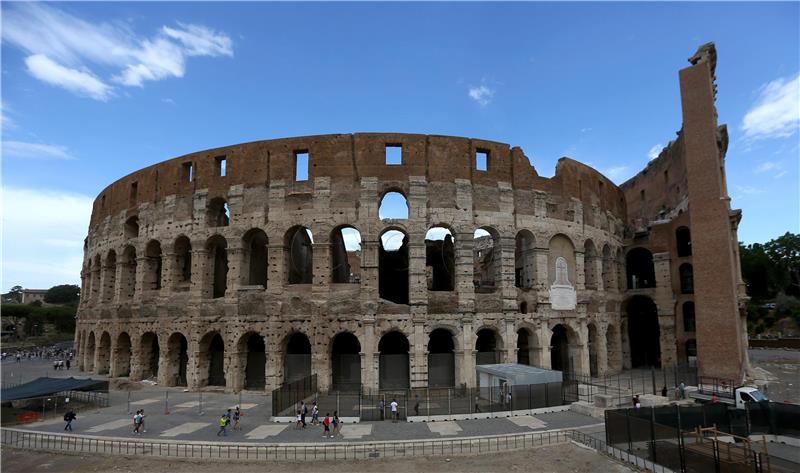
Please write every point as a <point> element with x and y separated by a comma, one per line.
<point>691,352</point>
<point>485,260</point>
<point>561,263</point>
<point>393,267</point>
<point>689,324</point>
<point>104,354</point>
<point>687,278</point>
<point>97,287</point>
<point>345,256</point>
<point>122,356</point>
<point>441,359</point>
<point>393,206</point>
<point>177,360</point>
<point>152,276</point>
<point>440,259</point>
<point>183,263</point>
<point>149,355</point>
<point>609,272</point>
<point>488,347</point>
<point>523,307</point>
<point>559,350</point>
<point>590,265</point>
<point>128,282</point>
<point>217,248</point>
<point>524,260</point>
<point>256,364</point>
<point>345,363</point>
<point>683,240</point>
<point>212,360</point>
<point>643,332</point>
<point>297,361</point>
<point>394,372</point>
<point>254,258</point>
<point>131,227</point>
<point>89,359</point>
<point>218,214</point>
<point>109,276</point>
<point>525,347</point>
<point>299,255</point>
<point>614,348</point>
<point>593,360</point>
<point>639,265</point>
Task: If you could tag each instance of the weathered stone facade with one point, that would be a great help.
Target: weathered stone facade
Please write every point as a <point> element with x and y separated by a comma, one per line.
<point>225,267</point>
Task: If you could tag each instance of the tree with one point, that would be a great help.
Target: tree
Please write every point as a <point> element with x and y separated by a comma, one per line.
<point>14,295</point>
<point>63,294</point>
<point>784,251</point>
<point>763,277</point>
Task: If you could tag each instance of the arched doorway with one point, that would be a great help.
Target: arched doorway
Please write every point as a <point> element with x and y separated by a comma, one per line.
<point>150,353</point>
<point>177,360</point>
<point>559,350</point>
<point>122,356</point>
<point>393,267</point>
<point>256,363</point>
<point>640,270</point>
<point>297,361</point>
<point>440,258</point>
<point>488,347</point>
<point>524,343</point>
<point>345,363</point>
<point>212,360</point>
<point>643,332</point>
<point>89,356</point>
<point>441,359</point>
<point>104,354</point>
<point>254,258</point>
<point>394,372</point>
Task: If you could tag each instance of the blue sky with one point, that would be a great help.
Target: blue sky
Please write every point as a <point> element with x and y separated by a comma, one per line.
<point>93,91</point>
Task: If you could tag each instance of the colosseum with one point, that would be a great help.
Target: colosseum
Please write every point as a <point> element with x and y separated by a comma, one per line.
<point>392,260</point>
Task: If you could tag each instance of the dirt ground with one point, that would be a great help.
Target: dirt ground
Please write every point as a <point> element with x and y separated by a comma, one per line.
<point>553,459</point>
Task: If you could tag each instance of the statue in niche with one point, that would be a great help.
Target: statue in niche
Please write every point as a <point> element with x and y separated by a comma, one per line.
<point>562,293</point>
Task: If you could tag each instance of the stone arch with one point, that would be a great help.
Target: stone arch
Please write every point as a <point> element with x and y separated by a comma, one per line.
<point>217,248</point>
<point>109,276</point>
<point>640,269</point>
<point>89,355</point>
<point>565,349</point>
<point>149,354</point>
<point>297,357</point>
<point>488,345</point>
<point>153,265</point>
<point>211,360</point>
<point>128,276</point>
<point>253,347</point>
<point>683,241</point>
<point>103,359</point>
<point>528,350</point>
<point>177,360</point>
<point>393,363</point>
<point>441,358</point>
<point>643,331</point>
<point>393,205</point>
<point>299,255</point>
<point>686,278</point>
<point>182,275</point>
<point>218,213</point>
<point>345,362</point>
<point>609,272</point>
<point>255,258</point>
<point>590,265</point>
<point>524,260</point>
<point>440,259</point>
<point>345,244</point>
<point>393,266</point>
<point>131,227</point>
<point>122,356</point>
<point>614,348</point>
<point>486,259</point>
<point>561,246</point>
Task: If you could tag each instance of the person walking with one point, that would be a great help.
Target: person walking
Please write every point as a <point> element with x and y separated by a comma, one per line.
<point>681,389</point>
<point>326,423</point>
<point>298,422</point>
<point>303,413</point>
<point>237,414</point>
<point>68,418</point>
<point>68,363</point>
<point>336,424</point>
<point>395,413</point>
<point>142,428</point>
<point>416,404</point>
<point>223,425</point>
<point>137,421</point>
<point>229,416</point>
<point>477,406</point>
<point>314,414</point>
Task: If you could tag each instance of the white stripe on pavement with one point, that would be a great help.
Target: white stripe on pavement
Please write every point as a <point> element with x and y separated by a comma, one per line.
<point>444,428</point>
<point>144,402</point>
<point>528,421</point>
<point>263,431</point>
<point>186,428</point>
<point>114,424</point>
<point>186,405</point>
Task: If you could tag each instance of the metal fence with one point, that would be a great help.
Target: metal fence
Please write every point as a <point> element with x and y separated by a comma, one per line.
<point>23,411</point>
<point>288,396</point>
<point>276,452</point>
<point>622,386</point>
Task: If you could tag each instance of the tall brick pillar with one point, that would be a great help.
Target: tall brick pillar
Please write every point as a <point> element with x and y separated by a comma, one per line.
<point>721,348</point>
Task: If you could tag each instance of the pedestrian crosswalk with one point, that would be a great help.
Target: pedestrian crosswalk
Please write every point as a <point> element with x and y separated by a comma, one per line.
<point>186,428</point>
<point>444,428</point>
<point>113,425</point>
<point>186,405</point>
<point>356,431</point>
<point>263,431</point>
<point>529,422</point>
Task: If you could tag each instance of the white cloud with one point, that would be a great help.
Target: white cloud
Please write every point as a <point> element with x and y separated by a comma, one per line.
<point>43,234</point>
<point>776,113</point>
<point>168,100</point>
<point>749,190</point>
<point>5,121</point>
<point>585,130</point>
<point>654,151</point>
<point>71,44</point>
<point>768,166</point>
<point>79,82</point>
<point>618,174</point>
<point>780,174</point>
<point>21,149</point>
<point>481,94</point>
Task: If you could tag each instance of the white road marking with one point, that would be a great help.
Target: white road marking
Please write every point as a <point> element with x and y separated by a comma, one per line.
<point>144,402</point>
<point>186,405</point>
<point>528,421</point>
<point>114,424</point>
<point>355,431</point>
<point>263,431</point>
<point>444,428</point>
<point>186,428</point>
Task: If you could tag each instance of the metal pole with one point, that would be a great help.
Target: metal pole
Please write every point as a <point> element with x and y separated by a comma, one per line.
<point>129,402</point>
<point>166,402</point>
<point>200,407</point>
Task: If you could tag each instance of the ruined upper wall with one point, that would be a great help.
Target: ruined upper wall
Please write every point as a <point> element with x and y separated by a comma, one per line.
<point>345,159</point>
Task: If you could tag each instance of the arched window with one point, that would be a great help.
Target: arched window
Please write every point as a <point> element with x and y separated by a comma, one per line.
<point>255,258</point>
<point>217,249</point>
<point>524,260</point>
<point>687,278</point>
<point>393,267</point>
<point>109,276</point>
<point>346,255</point>
<point>641,272</point>
<point>128,282</point>
<point>131,227</point>
<point>688,317</point>
<point>393,206</point>
<point>609,273</point>
<point>683,239</point>
<point>486,260</point>
<point>440,259</point>
<point>299,255</point>
<point>183,263</point>
<point>154,263</point>
<point>218,213</point>
<point>590,265</point>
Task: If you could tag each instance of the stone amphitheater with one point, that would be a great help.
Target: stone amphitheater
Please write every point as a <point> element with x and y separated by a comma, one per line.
<point>389,260</point>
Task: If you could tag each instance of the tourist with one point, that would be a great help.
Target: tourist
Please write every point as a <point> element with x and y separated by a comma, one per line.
<point>382,408</point>
<point>636,403</point>
<point>477,407</point>
<point>681,390</point>
<point>229,416</point>
<point>508,399</point>
<point>137,421</point>
<point>141,421</point>
<point>303,413</point>
<point>336,424</point>
<point>237,414</point>
<point>326,422</point>
<point>68,362</point>
<point>395,413</point>
<point>314,414</point>
<point>68,418</point>
<point>664,391</point>
<point>416,404</point>
<point>223,424</point>
<point>714,398</point>
<point>298,421</point>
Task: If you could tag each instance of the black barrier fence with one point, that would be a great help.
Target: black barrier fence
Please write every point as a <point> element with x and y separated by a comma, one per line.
<point>24,411</point>
<point>711,437</point>
<point>622,386</point>
<point>288,396</point>
<point>376,405</point>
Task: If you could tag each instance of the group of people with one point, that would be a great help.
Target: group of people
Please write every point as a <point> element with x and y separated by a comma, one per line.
<point>230,416</point>
<point>138,422</point>
<point>332,425</point>
<point>42,353</point>
<point>61,364</point>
